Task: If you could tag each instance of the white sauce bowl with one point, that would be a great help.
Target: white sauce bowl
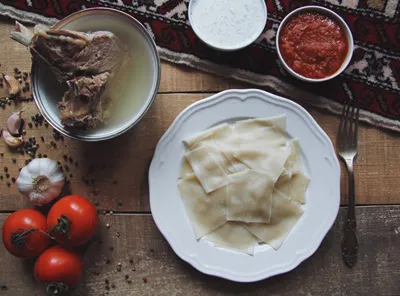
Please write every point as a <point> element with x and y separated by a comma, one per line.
<point>227,25</point>
<point>330,14</point>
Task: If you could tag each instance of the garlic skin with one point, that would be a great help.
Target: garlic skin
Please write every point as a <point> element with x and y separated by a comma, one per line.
<point>41,181</point>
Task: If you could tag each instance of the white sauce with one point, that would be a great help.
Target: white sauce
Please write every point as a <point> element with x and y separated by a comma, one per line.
<point>228,24</point>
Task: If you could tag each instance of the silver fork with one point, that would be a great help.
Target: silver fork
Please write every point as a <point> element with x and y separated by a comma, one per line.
<point>347,150</point>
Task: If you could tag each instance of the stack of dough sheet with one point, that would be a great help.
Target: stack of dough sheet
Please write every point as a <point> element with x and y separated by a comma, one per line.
<point>242,184</point>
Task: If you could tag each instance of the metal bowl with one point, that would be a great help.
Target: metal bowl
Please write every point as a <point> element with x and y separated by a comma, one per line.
<point>130,108</point>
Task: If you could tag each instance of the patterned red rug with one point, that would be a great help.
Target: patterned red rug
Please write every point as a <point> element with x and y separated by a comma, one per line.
<point>373,77</point>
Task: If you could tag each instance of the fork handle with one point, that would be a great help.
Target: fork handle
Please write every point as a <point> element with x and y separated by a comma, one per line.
<point>349,243</point>
<point>351,214</point>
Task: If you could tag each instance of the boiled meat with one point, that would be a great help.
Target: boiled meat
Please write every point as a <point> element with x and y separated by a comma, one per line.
<point>70,53</point>
<point>85,61</point>
<point>85,101</point>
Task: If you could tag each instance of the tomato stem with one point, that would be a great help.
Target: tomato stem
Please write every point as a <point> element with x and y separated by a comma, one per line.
<point>56,288</point>
<point>18,236</point>
<point>62,226</point>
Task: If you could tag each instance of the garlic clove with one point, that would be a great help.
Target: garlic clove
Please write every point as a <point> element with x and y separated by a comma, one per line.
<point>36,198</point>
<point>46,167</point>
<point>10,140</point>
<point>14,123</point>
<point>12,85</point>
<point>54,190</point>
<point>25,188</point>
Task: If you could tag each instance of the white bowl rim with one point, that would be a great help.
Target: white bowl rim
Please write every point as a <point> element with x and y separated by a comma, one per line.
<point>342,23</point>
<point>243,45</point>
<point>131,123</point>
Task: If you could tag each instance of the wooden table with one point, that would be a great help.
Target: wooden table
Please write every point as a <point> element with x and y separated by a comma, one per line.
<point>125,161</point>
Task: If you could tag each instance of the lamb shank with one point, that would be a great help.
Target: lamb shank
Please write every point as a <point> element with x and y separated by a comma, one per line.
<point>85,61</point>
<point>70,53</point>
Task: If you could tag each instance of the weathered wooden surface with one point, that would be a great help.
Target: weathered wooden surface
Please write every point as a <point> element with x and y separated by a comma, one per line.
<point>376,273</point>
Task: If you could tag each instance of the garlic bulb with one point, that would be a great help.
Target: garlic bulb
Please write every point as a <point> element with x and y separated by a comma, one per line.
<point>41,181</point>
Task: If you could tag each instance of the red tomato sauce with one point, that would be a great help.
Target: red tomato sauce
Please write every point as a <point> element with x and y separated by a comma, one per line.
<point>313,45</point>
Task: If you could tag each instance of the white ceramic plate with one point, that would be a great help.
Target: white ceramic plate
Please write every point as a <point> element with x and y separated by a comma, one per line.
<point>323,195</point>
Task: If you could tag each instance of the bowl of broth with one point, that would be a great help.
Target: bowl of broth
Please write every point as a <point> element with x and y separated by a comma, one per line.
<point>131,92</point>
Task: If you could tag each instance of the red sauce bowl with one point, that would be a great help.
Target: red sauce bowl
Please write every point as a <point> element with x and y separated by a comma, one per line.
<point>314,44</point>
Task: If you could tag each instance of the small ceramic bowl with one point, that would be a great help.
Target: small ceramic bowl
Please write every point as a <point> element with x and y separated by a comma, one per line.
<point>138,91</point>
<point>229,25</point>
<point>335,17</point>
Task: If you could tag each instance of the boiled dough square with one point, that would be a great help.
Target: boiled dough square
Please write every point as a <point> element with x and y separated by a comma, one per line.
<point>285,214</point>
<point>206,212</point>
<point>214,137</point>
<point>218,155</point>
<point>192,141</point>
<point>185,170</point>
<point>248,197</point>
<point>208,136</point>
<point>260,137</point>
<point>293,162</point>
<point>226,140</point>
<point>223,134</point>
<point>207,167</point>
<point>294,188</point>
<point>285,176</point>
<point>269,160</point>
<point>262,132</point>
<point>236,165</point>
<point>276,121</point>
<point>233,235</point>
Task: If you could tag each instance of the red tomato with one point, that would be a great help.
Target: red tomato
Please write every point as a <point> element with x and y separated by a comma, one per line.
<point>24,233</point>
<point>73,220</point>
<point>58,268</point>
